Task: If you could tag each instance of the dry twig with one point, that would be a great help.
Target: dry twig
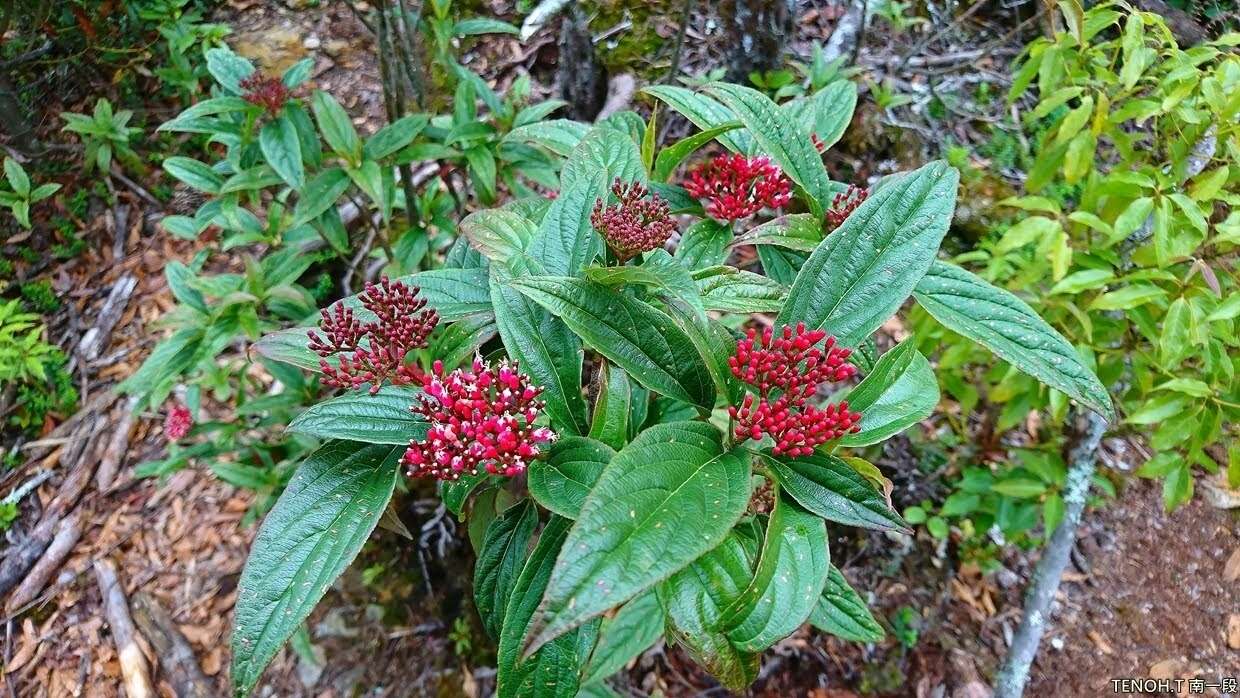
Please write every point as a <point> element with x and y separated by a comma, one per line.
<point>134,669</point>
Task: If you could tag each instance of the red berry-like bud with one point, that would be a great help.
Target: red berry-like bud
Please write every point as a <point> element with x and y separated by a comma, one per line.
<point>267,92</point>
<point>786,367</point>
<point>374,352</point>
<point>634,224</point>
<point>480,419</point>
<point>178,422</point>
<point>844,204</point>
<point>736,187</point>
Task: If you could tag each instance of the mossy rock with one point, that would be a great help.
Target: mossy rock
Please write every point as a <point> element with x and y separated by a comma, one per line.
<point>638,49</point>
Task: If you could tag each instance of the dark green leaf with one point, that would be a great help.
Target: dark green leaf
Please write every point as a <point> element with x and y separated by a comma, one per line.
<point>383,418</point>
<point>830,488</point>
<point>909,396</point>
<point>336,127</point>
<point>795,231</point>
<point>671,156</point>
<point>228,68</point>
<point>394,136</point>
<point>500,561</point>
<point>312,533</point>
<point>194,173</point>
<point>634,335</point>
<point>731,290</point>
<point>282,150</point>
<point>633,630</point>
<point>864,270</point>
<point>613,406</point>
<point>499,234</point>
<point>561,481</point>
<point>704,112</point>
<point>704,244</point>
<point>566,241</point>
<point>1006,325</point>
<point>842,613</point>
<point>320,194</point>
<point>664,500</point>
<point>605,152</point>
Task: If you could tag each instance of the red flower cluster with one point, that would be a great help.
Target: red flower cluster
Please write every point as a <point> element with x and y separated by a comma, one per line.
<point>794,366</point>
<point>736,187</point>
<point>844,204</point>
<point>267,92</point>
<point>479,418</point>
<point>402,324</point>
<point>635,224</point>
<point>178,422</point>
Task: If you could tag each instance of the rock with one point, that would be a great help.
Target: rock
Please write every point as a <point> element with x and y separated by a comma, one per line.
<point>1231,570</point>
<point>312,43</point>
<point>335,47</point>
<point>1167,669</point>
<point>1233,631</point>
<point>1218,494</point>
<point>274,50</point>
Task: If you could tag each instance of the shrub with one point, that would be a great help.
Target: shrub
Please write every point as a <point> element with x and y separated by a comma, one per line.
<point>659,454</point>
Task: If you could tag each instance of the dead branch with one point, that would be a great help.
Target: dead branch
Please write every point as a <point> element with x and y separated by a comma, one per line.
<point>97,337</point>
<point>134,669</point>
<point>171,648</point>
<point>111,460</point>
<point>67,534</point>
<point>22,556</point>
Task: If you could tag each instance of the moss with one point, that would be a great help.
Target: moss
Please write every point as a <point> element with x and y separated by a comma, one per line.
<point>638,49</point>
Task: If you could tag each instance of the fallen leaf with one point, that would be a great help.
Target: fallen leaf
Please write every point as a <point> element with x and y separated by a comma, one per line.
<point>1100,642</point>
<point>1231,571</point>
<point>1167,669</point>
<point>1233,631</point>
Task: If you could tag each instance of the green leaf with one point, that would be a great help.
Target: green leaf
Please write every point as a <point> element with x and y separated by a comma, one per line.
<point>1006,325</point>
<point>18,180</point>
<point>1031,229</point>
<point>194,173</point>
<point>1084,280</point>
<point>634,335</point>
<point>829,111</point>
<point>546,349</point>
<point>612,407</point>
<point>1177,328</point>
<point>382,418</point>
<point>320,194</point>
<point>336,127</point>
<point>658,271</point>
<point>498,234</point>
<point>282,150</point>
<point>665,499</point>
<point>1128,297</point>
<point>694,600</point>
<point>787,583</point>
<point>500,560</point>
<point>633,630</point>
<point>795,231</point>
<point>312,533</point>
<point>1019,488</point>
<point>830,488</point>
<point>228,68</point>
<point>566,241</point>
<point>863,271</point>
<point>783,139</point>
<point>729,289</point>
<point>704,244</point>
<point>704,112</point>
<point>561,481</point>
<point>671,157</point>
<point>841,612</point>
<point>560,136</point>
<point>910,398</point>
<point>456,492</point>
<point>607,152</point>
<point>297,73</point>
<point>394,136</point>
<point>483,25</point>
<point>554,671</point>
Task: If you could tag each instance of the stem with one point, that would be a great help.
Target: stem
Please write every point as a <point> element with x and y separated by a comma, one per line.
<point>678,49</point>
<point>1010,683</point>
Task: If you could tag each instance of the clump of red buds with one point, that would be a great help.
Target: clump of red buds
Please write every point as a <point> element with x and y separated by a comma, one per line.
<point>267,92</point>
<point>402,323</point>
<point>481,419</point>
<point>735,186</point>
<point>787,368</point>
<point>634,224</point>
<point>844,204</point>
<point>178,422</point>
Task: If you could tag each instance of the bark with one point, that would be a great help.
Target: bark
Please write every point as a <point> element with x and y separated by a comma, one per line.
<point>67,535</point>
<point>581,78</point>
<point>1010,683</point>
<point>171,648</point>
<point>13,121</point>
<point>758,30</point>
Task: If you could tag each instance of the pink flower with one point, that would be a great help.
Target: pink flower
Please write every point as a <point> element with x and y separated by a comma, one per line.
<point>178,422</point>
<point>402,324</point>
<point>634,225</point>
<point>481,418</point>
<point>844,204</point>
<point>787,369</point>
<point>267,92</point>
<point>736,187</point>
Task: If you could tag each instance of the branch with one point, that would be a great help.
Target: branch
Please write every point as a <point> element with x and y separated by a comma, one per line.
<point>171,648</point>
<point>1010,683</point>
<point>134,669</point>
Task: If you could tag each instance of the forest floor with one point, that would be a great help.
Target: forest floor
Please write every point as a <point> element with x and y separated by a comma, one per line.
<point>1149,593</point>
